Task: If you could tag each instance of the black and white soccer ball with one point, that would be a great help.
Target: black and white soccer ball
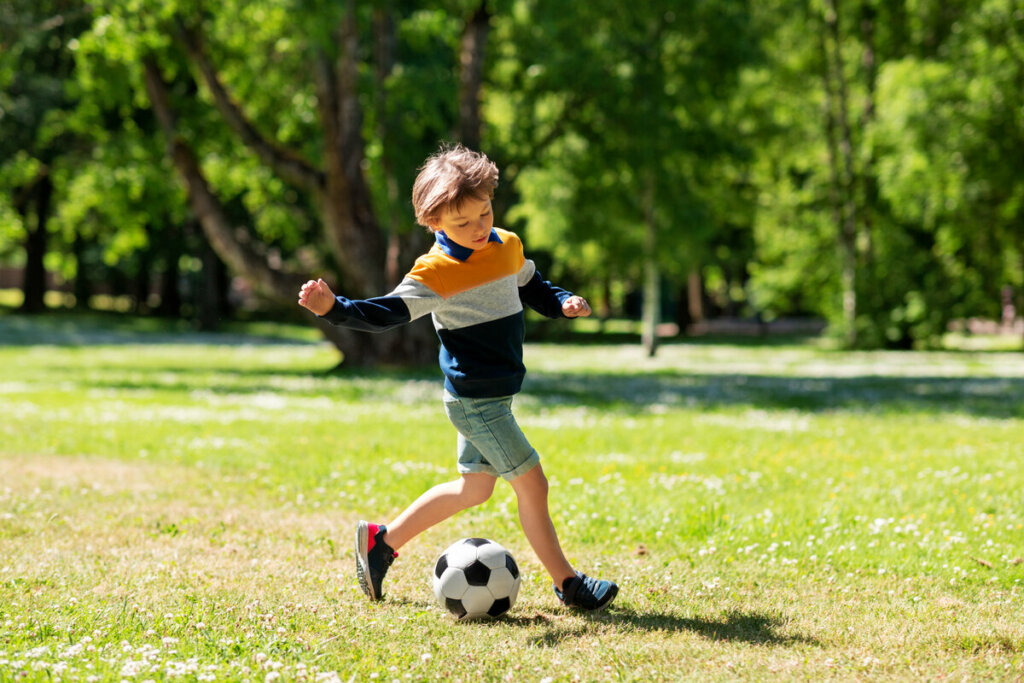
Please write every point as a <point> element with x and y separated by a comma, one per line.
<point>476,578</point>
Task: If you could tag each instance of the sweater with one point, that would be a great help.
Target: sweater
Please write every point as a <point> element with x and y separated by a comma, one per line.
<point>475,297</point>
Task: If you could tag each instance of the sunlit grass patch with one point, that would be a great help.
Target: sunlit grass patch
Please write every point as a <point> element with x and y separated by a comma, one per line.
<point>184,511</point>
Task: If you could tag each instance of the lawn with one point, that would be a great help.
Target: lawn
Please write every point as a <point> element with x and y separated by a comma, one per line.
<point>180,506</point>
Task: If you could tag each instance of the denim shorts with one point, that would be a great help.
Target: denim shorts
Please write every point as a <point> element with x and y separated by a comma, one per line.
<point>490,440</point>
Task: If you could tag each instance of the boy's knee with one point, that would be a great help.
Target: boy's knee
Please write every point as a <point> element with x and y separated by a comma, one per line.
<point>478,496</point>
<point>477,492</point>
<point>532,483</point>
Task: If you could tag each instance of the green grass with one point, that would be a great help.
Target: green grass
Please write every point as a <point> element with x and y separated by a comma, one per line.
<point>180,505</point>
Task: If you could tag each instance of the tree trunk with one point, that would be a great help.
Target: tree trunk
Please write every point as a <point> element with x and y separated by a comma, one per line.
<point>652,277</point>
<point>82,287</point>
<point>384,61</point>
<point>605,312</point>
<point>34,285</point>
<point>402,246</point>
<point>471,73</point>
<point>170,293</point>
<point>211,299</point>
<point>140,284</point>
<point>841,150</point>
<point>348,212</point>
<point>695,295</point>
<point>870,183</point>
<point>1018,312</point>
<point>651,306</point>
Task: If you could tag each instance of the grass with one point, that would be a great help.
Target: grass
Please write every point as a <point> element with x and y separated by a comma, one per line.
<point>179,506</point>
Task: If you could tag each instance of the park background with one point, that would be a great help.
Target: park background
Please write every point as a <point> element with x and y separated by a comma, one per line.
<point>854,163</point>
<point>792,431</point>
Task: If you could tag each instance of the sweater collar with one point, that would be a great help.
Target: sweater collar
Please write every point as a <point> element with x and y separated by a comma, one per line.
<point>458,251</point>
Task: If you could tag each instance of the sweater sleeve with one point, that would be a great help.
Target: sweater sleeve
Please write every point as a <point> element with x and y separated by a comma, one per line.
<point>409,300</point>
<point>369,315</point>
<point>539,294</point>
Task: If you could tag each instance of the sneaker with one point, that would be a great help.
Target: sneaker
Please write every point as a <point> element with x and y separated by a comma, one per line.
<point>587,593</point>
<point>373,558</point>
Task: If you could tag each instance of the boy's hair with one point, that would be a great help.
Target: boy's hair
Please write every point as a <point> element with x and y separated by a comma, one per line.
<point>448,178</point>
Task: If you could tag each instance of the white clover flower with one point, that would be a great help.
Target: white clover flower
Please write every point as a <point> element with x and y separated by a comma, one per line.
<point>133,667</point>
<point>72,651</point>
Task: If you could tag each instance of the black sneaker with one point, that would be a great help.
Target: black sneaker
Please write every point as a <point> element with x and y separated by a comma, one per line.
<point>373,558</point>
<point>587,593</point>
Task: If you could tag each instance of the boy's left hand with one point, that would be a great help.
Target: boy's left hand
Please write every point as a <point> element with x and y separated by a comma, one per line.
<point>575,307</point>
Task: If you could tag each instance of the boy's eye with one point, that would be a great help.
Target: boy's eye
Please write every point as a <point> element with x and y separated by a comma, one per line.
<point>466,223</point>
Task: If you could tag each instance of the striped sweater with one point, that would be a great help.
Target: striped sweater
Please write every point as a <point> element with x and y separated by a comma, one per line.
<point>476,300</point>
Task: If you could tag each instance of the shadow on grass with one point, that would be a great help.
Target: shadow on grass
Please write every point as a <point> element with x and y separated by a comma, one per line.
<point>378,385</point>
<point>73,329</point>
<point>751,628</point>
<point>992,397</point>
<point>625,392</point>
<point>1000,397</point>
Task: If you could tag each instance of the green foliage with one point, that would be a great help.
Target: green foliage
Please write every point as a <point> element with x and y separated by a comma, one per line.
<point>622,129</point>
<point>705,120</point>
<point>948,175</point>
<point>937,191</point>
<point>413,108</point>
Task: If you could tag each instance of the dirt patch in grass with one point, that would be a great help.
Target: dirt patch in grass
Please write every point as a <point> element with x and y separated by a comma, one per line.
<point>114,524</point>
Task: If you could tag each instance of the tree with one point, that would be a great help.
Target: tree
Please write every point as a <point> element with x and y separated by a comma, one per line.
<point>35,66</point>
<point>949,135</point>
<point>289,82</point>
<point>622,130</point>
<point>879,151</point>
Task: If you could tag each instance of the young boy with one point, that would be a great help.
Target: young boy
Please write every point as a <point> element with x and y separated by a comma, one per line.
<point>473,281</point>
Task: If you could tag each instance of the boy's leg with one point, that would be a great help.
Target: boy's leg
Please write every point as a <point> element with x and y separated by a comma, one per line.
<point>531,491</point>
<point>376,544</point>
<point>437,505</point>
<point>488,429</point>
<point>572,588</point>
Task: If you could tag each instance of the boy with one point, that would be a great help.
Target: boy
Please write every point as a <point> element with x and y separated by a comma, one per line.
<point>473,282</point>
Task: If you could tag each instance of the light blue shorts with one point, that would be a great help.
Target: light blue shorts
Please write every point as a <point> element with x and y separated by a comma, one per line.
<point>490,440</point>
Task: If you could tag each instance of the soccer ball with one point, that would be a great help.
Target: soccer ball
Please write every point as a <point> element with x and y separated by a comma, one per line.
<point>476,578</point>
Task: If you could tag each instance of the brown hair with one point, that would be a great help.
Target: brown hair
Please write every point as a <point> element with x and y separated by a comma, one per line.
<point>448,178</point>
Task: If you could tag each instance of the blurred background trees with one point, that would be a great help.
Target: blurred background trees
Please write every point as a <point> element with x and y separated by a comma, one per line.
<point>858,162</point>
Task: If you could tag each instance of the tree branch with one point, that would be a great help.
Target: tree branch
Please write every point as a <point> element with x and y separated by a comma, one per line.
<point>350,114</point>
<point>239,255</point>
<point>349,220</point>
<point>284,162</point>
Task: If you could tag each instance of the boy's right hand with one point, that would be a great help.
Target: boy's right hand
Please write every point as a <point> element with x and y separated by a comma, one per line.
<point>317,297</point>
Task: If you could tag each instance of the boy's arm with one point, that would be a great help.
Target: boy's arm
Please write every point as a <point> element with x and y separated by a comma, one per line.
<point>370,315</point>
<point>546,298</point>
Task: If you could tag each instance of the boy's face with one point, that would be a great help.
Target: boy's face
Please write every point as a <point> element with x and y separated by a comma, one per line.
<point>469,225</point>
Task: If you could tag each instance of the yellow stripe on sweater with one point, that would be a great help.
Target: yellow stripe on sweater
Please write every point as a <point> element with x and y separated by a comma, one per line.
<point>448,276</point>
